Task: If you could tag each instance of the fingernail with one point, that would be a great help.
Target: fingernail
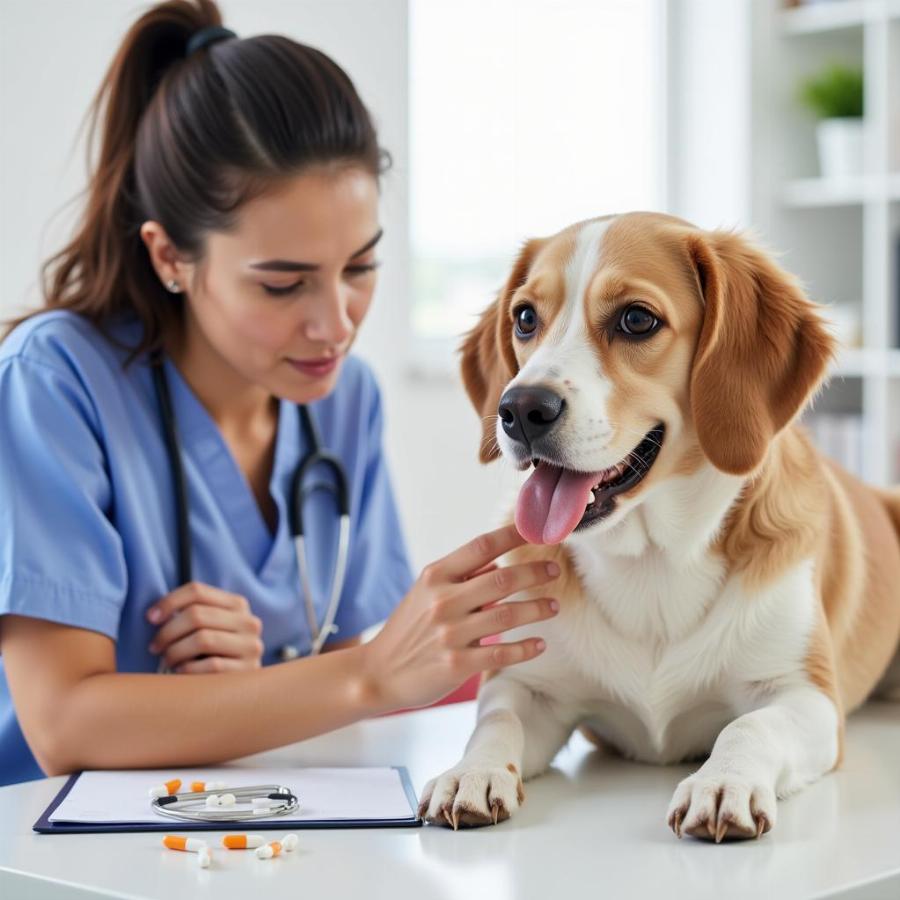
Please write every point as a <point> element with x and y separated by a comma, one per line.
<point>541,646</point>
<point>554,605</point>
<point>552,569</point>
<point>154,614</point>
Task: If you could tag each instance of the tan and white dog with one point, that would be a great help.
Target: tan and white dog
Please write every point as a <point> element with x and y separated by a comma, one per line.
<point>727,592</point>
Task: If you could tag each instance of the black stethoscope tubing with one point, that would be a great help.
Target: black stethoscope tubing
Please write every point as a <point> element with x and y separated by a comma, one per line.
<point>299,492</point>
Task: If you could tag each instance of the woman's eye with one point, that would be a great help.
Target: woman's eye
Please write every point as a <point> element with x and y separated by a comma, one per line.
<point>273,291</point>
<point>361,269</point>
<point>526,321</point>
<point>637,321</point>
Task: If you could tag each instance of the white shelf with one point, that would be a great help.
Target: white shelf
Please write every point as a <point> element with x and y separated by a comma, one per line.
<point>805,193</point>
<point>814,18</point>
<point>836,15</point>
<point>860,362</point>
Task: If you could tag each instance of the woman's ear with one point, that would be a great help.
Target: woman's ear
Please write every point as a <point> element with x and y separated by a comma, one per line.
<point>763,350</point>
<point>488,357</point>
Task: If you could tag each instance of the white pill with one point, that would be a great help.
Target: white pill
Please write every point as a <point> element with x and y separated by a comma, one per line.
<point>213,800</point>
<point>159,791</point>
<point>263,802</point>
<point>290,841</point>
<point>227,800</point>
<point>204,857</point>
<point>215,785</point>
<point>264,852</point>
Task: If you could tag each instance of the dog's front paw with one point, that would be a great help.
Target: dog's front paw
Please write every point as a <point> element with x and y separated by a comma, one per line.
<point>715,807</point>
<point>472,795</point>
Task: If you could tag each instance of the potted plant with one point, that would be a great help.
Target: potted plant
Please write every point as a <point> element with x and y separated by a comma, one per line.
<point>835,95</point>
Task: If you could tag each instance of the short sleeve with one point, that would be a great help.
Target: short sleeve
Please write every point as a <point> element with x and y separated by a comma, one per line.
<point>61,557</point>
<point>378,569</point>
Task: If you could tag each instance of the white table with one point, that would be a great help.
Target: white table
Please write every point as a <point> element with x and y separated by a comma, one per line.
<point>592,827</point>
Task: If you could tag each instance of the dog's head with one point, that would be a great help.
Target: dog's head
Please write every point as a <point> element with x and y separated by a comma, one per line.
<point>629,349</point>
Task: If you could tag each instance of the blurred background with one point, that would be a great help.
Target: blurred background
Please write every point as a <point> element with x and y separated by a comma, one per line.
<point>509,119</point>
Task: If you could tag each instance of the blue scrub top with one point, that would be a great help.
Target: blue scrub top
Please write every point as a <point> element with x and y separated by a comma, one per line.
<point>87,510</point>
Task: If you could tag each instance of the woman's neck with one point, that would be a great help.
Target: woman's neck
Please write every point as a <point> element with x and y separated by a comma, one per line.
<point>240,408</point>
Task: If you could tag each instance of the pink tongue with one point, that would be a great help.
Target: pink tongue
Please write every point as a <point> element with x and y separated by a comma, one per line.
<point>551,503</point>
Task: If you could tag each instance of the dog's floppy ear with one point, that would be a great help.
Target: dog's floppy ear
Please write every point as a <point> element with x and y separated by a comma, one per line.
<point>488,357</point>
<point>763,350</point>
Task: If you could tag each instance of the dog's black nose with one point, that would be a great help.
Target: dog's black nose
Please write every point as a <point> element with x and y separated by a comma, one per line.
<point>528,413</point>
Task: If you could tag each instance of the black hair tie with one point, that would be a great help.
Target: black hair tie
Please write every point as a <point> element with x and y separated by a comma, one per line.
<point>206,36</point>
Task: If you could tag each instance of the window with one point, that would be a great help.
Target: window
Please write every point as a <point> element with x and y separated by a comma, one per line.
<point>526,116</point>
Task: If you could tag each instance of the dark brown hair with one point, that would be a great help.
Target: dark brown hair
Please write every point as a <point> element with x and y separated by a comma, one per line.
<point>185,140</point>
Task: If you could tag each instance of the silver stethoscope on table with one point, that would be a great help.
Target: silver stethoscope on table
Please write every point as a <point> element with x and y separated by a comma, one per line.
<point>299,493</point>
<point>254,801</point>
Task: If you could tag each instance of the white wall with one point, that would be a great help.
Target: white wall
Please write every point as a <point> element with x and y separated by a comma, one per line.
<point>709,93</point>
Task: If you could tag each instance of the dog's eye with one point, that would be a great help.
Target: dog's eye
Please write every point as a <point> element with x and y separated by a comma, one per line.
<point>637,321</point>
<point>526,322</point>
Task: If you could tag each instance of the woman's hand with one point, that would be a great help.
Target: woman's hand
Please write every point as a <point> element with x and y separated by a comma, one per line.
<point>205,629</point>
<point>430,644</point>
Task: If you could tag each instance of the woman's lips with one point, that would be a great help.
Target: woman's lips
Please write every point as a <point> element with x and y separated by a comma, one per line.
<point>317,368</point>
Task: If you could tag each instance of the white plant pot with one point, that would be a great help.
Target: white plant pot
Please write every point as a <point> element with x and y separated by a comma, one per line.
<point>840,147</point>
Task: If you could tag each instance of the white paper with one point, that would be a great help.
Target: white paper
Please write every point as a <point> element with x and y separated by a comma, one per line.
<point>324,794</point>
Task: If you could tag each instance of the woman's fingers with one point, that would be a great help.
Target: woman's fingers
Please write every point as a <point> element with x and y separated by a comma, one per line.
<point>191,593</point>
<point>500,583</point>
<point>198,616</point>
<point>499,656</point>
<point>479,552</point>
<point>502,617</point>
<point>207,642</point>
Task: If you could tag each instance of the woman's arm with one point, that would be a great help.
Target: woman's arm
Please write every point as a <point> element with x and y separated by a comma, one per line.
<point>77,712</point>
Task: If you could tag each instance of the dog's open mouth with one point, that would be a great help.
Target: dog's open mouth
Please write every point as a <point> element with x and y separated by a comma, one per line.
<point>556,501</point>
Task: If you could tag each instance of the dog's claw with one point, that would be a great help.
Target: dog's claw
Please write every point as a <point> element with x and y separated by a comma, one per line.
<point>721,830</point>
<point>676,823</point>
<point>761,823</point>
<point>455,820</point>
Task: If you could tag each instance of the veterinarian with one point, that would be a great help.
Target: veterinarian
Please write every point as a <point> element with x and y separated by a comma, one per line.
<point>164,586</point>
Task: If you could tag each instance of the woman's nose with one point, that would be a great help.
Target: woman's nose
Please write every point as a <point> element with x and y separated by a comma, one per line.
<point>330,322</point>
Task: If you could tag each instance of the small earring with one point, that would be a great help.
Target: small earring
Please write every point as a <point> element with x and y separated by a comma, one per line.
<point>173,286</point>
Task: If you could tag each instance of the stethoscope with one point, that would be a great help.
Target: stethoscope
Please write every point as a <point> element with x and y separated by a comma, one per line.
<point>255,801</point>
<point>299,493</point>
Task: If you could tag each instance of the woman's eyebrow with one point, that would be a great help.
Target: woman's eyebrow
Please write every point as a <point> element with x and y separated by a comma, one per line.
<point>287,265</point>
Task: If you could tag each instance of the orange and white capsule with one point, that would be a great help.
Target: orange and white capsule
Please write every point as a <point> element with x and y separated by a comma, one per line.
<point>242,841</point>
<point>189,845</point>
<point>198,787</point>
<point>167,789</point>
<point>267,851</point>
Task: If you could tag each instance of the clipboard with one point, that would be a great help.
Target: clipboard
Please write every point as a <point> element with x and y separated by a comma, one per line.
<point>44,825</point>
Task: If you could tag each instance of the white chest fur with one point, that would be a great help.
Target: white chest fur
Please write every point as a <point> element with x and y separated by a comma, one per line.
<point>656,658</point>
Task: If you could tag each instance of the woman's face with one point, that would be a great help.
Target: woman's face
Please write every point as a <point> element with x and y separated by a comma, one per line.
<point>280,297</point>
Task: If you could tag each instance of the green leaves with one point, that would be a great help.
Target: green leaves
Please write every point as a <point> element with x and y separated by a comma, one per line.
<point>836,92</point>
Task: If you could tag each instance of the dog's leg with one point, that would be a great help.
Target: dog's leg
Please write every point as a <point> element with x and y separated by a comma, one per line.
<point>486,785</point>
<point>761,755</point>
